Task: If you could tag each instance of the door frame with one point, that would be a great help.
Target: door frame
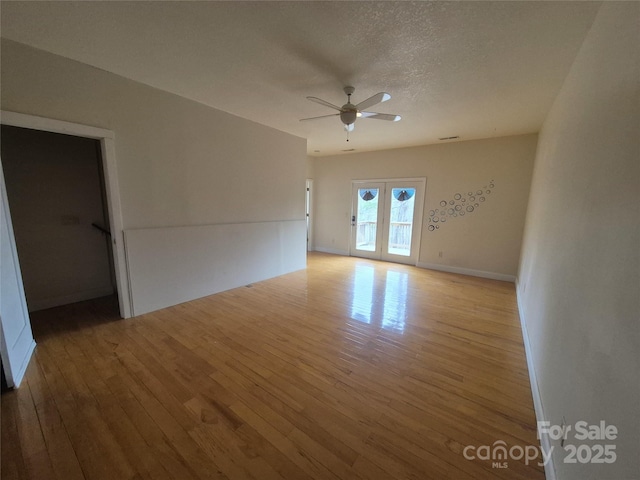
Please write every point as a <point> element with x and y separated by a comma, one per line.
<point>309,213</point>
<point>109,166</point>
<point>419,206</point>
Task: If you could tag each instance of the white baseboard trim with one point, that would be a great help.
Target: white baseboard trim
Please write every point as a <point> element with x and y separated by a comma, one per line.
<point>467,271</point>
<point>44,303</point>
<point>545,441</point>
<point>333,251</point>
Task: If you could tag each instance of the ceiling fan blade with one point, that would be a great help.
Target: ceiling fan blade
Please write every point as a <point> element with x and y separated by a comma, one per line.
<point>325,103</point>
<point>381,116</point>
<point>321,116</point>
<point>350,127</point>
<point>369,102</point>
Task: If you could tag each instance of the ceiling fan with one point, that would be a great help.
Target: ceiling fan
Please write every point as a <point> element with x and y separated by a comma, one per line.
<point>349,112</point>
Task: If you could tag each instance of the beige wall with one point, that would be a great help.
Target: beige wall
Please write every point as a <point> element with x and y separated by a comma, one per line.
<point>579,279</point>
<point>310,167</point>
<point>179,163</point>
<point>486,241</point>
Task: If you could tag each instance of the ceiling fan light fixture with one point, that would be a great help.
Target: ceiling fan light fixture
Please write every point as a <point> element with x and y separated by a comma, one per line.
<point>348,116</point>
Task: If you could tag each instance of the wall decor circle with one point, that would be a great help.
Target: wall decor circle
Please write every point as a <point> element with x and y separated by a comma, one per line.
<point>460,205</point>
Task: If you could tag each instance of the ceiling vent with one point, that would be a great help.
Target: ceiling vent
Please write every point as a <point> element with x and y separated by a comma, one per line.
<point>449,138</point>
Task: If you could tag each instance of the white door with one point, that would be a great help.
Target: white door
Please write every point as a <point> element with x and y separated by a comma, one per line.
<point>16,339</point>
<point>387,220</point>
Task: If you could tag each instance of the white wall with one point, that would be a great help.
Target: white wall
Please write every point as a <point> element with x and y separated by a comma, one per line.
<point>55,194</point>
<point>579,279</point>
<point>486,241</point>
<point>310,172</point>
<point>179,163</point>
<point>208,258</point>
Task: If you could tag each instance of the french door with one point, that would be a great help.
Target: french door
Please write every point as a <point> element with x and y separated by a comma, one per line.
<point>386,219</point>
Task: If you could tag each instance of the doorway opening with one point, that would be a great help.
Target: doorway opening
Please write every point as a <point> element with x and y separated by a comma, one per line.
<point>57,198</point>
<point>110,192</point>
<point>386,219</point>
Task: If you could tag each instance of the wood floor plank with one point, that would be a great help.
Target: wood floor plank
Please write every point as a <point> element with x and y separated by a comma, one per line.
<point>12,461</point>
<point>98,452</point>
<point>61,453</point>
<point>311,375</point>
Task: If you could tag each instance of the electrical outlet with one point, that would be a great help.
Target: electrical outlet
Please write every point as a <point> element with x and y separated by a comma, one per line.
<point>440,254</point>
<point>69,220</point>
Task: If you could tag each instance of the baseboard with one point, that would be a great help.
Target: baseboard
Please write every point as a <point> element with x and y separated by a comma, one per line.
<point>545,441</point>
<point>333,251</point>
<point>467,271</point>
<point>42,304</point>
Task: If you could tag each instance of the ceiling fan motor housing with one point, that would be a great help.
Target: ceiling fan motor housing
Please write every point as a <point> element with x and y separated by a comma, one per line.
<point>348,113</point>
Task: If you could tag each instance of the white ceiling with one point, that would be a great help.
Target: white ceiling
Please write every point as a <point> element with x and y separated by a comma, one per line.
<point>473,69</point>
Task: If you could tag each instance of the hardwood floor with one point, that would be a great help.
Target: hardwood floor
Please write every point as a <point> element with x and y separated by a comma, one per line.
<point>352,369</point>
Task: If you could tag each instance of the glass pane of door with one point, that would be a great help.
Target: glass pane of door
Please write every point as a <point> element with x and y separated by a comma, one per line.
<point>367,219</point>
<point>401,221</point>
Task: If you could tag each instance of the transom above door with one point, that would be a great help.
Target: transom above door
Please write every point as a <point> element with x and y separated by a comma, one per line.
<point>386,219</point>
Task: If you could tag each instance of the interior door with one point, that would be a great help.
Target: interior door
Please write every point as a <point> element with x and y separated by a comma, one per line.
<point>387,220</point>
<point>16,339</point>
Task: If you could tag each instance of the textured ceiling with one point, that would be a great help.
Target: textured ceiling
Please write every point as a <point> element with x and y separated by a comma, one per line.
<point>473,69</point>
